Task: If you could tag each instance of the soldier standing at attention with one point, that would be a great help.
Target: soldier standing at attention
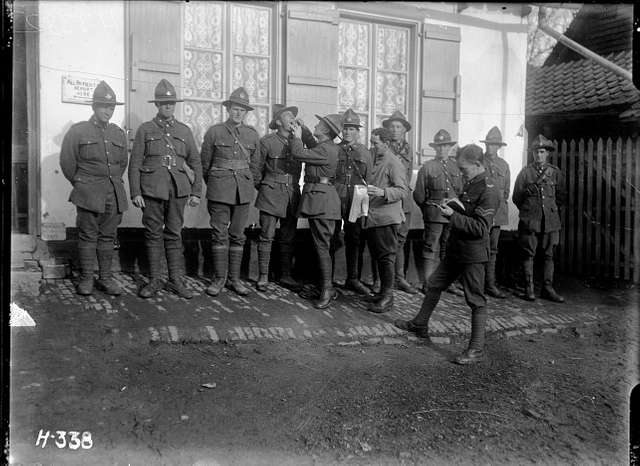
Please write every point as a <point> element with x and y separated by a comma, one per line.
<point>276,174</point>
<point>499,175</point>
<point>165,174</point>
<point>228,150</point>
<point>320,203</point>
<point>467,253</point>
<point>354,167</point>
<point>93,158</point>
<point>438,179</point>
<point>538,192</point>
<point>398,125</point>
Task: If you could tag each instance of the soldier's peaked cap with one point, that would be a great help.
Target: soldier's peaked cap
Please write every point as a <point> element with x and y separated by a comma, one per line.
<point>165,92</point>
<point>279,109</point>
<point>494,136</point>
<point>103,94</point>
<point>442,138</point>
<point>333,121</point>
<point>541,142</point>
<point>397,116</point>
<point>239,97</point>
<point>351,118</point>
<point>470,153</point>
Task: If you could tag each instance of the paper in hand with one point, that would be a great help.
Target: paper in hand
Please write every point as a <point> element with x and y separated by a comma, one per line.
<point>455,204</point>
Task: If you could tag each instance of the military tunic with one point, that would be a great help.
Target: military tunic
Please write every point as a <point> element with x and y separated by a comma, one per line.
<point>354,166</point>
<point>403,150</point>
<point>500,176</point>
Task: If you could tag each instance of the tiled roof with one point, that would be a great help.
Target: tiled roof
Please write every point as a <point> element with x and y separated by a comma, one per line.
<point>580,85</point>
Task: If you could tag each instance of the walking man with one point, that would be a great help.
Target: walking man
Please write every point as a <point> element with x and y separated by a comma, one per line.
<point>93,158</point>
<point>538,193</point>
<point>276,174</point>
<point>165,175</point>
<point>228,150</point>
<point>398,125</point>
<point>467,253</point>
<point>499,176</point>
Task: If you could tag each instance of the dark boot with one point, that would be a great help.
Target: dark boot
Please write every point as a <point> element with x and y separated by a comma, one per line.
<point>529,294</point>
<point>469,356</point>
<point>409,326</point>
<point>235,260</point>
<point>475,352</point>
<point>286,279</point>
<point>175,264</point>
<point>375,287</point>
<point>327,292</point>
<point>220,266</point>
<point>420,323</point>
<point>106,283</point>
<point>547,291</point>
<point>154,255</point>
<point>490,287</point>
<point>353,282</point>
<point>429,266</point>
<point>86,257</point>
<point>385,303</point>
<point>401,283</point>
<point>264,255</point>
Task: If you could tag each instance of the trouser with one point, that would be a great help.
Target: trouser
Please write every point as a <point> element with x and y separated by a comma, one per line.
<point>354,244</point>
<point>383,244</point>
<point>322,231</point>
<point>435,240</point>
<point>403,231</point>
<point>529,240</point>
<point>228,222</point>
<point>286,237</point>
<point>490,267</point>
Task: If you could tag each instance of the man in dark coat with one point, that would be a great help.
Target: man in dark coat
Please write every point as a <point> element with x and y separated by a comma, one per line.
<point>165,174</point>
<point>538,194</point>
<point>320,203</point>
<point>499,175</point>
<point>93,158</point>
<point>277,176</point>
<point>467,253</point>
<point>398,125</point>
<point>228,151</point>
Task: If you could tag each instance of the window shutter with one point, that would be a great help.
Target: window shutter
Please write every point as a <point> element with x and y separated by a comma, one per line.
<point>441,83</point>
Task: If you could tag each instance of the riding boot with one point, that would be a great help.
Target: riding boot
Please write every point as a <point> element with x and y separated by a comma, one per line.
<point>387,275</point>
<point>401,283</point>
<point>475,352</point>
<point>286,279</point>
<point>375,275</point>
<point>547,287</point>
<point>490,280</point>
<point>420,323</point>
<point>264,255</point>
<point>353,282</point>
<point>154,254</point>
<point>430,266</point>
<point>86,258</point>
<point>327,292</point>
<point>235,260</point>
<point>175,265</point>
<point>220,257</point>
<point>105,282</point>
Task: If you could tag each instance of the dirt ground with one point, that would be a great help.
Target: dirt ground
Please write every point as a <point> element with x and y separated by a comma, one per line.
<point>557,398</point>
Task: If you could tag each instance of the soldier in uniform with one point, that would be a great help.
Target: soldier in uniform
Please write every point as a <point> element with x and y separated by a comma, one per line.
<point>320,203</point>
<point>354,166</point>
<point>276,174</point>
<point>499,175</point>
<point>165,174</point>
<point>228,150</point>
<point>467,253</point>
<point>538,192</point>
<point>438,179</point>
<point>398,125</point>
<point>93,158</point>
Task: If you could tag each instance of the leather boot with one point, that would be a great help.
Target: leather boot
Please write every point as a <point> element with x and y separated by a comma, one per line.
<point>409,326</point>
<point>490,287</point>
<point>353,282</point>
<point>430,266</point>
<point>86,255</point>
<point>385,303</point>
<point>529,294</point>
<point>469,356</point>
<point>327,292</point>
<point>220,265</point>
<point>154,254</point>
<point>375,287</point>
<point>235,261</point>
<point>401,283</point>
<point>475,351</point>
<point>175,264</point>
<point>286,279</point>
<point>105,282</point>
<point>547,291</point>
<point>264,255</point>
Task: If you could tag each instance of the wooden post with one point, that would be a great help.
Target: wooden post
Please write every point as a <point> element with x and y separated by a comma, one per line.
<point>580,256</point>
<point>589,207</point>
<point>571,213</point>
<point>636,215</point>
<point>628,201</point>
<point>565,212</point>
<point>617,238</point>
<point>607,208</point>
<point>598,202</point>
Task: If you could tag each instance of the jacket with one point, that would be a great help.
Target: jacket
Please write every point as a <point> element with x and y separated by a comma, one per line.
<point>354,166</point>
<point>538,194</point>
<point>500,177</point>
<point>387,173</point>
<point>403,150</point>
<point>437,180</point>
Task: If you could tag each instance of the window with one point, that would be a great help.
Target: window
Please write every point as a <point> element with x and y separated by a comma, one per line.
<point>221,55</point>
<point>373,71</point>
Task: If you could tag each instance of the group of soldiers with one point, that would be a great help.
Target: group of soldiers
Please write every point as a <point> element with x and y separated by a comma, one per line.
<point>462,193</point>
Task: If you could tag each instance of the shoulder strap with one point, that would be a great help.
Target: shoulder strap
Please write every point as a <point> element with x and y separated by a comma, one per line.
<point>244,151</point>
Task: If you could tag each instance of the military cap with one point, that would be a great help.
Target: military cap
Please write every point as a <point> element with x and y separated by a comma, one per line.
<point>494,136</point>
<point>397,116</point>
<point>103,94</point>
<point>238,97</point>
<point>279,109</point>
<point>541,142</point>
<point>442,138</point>
<point>351,118</point>
<point>470,153</point>
<point>333,121</point>
<point>165,92</point>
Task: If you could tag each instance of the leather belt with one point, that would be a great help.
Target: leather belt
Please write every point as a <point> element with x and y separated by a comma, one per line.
<point>279,178</point>
<point>168,161</point>
<point>225,164</point>
<point>317,179</point>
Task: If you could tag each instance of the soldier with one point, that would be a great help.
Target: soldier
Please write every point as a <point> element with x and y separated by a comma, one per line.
<point>276,174</point>
<point>438,179</point>
<point>165,174</point>
<point>354,166</point>
<point>320,202</point>
<point>498,172</point>
<point>467,253</point>
<point>228,150</point>
<point>93,158</point>
<point>387,187</point>
<point>538,192</point>
<point>398,125</point>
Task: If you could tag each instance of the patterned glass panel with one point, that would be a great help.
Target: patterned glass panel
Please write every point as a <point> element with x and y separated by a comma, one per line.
<point>258,118</point>
<point>391,49</point>
<point>364,130</point>
<point>203,25</point>
<point>253,74</point>
<point>202,75</point>
<point>199,116</point>
<point>250,30</point>
<point>391,89</point>
<point>353,88</point>
<point>353,44</point>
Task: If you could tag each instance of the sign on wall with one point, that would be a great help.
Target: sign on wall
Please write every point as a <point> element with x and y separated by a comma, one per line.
<point>53,231</point>
<point>78,89</point>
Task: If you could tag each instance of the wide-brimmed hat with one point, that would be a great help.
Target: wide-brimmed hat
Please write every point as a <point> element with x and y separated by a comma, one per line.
<point>541,142</point>
<point>279,109</point>
<point>333,120</point>
<point>103,94</point>
<point>397,116</point>
<point>238,97</point>
<point>351,118</point>
<point>494,136</point>
<point>165,92</point>
<point>442,138</point>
